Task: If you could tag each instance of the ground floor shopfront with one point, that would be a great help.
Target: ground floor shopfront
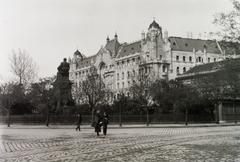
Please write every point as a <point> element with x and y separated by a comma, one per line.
<point>229,110</point>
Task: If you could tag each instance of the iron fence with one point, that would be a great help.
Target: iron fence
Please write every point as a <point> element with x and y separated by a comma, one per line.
<point>114,119</point>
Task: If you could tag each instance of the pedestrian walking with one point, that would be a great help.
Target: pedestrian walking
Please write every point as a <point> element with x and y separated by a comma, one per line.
<point>97,122</point>
<point>105,122</point>
<point>79,120</point>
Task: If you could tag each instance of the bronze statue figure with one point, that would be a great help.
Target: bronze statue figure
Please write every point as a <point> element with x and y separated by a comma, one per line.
<point>63,69</point>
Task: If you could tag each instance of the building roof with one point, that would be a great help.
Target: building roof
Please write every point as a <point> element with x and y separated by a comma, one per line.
<point>204,68</point>
<point>85,62</point>
<point>128,49</point>
<point>155,25</point>
<point>188,44</point>
<point>113,47</point>
<point>210,67</point>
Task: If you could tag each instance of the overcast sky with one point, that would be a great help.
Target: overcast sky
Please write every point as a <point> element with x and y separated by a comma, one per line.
<point>53,29</point>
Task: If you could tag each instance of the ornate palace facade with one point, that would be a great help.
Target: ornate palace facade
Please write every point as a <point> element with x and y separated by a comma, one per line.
<point>156,52</point>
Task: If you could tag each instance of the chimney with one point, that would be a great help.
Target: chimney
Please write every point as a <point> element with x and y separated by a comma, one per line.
<point>165,35</point>
<point>116,37</point>
<point>143,35</point>
<point>107,40</point>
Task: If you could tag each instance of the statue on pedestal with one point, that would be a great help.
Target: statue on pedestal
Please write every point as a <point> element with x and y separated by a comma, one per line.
<point>63,86</point>
<point>63,70</point>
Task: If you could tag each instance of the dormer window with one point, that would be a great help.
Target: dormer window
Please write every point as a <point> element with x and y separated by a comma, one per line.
<point>124,51</point>
<point>132,48</point>
<point>186,44</point>
<point>174,43</point>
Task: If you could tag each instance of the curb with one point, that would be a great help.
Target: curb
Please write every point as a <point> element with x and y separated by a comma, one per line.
<point>116,126</point>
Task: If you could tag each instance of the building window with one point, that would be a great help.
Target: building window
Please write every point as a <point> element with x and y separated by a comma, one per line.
<point>76,75</point>
<point>117,76</point>
<point>190,59</point>
<point>199,59</point>
<point>184,58</point>
<point>122,84</point>
<point>184,70</point>
<point>214,59</point>
<point>163,69</point>
<point>160,57</point>
<point>177,58</point>
<point>138,60</point>
<point>208,60</point>
<point>122,75</point>
<point>177,70</point>
<point>117,85</point>
<point>128,74</point>
<point>133,72</point>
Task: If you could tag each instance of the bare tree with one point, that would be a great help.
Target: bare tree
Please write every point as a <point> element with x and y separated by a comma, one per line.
<point>91,90</point>
<point>140,90</point>
<point>23,67</point>
<point>44,97</point>
<point>9,95</point>
<point>213,86</point>
<point>229,23</point>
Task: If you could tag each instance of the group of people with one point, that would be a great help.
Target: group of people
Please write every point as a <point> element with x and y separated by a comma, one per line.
<point>98,122</point>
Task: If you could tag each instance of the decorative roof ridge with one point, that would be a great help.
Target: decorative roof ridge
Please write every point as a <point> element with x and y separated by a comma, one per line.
<point>87,57</point>
<point>120,49</point>
<point>137,41</point>
<point>191,38</point>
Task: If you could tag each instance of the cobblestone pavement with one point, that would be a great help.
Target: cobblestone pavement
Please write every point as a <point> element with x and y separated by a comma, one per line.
<point>208,144</point>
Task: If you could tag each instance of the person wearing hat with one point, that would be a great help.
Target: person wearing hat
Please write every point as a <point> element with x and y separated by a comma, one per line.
<point>98,122</point>
<point>79,120</point>
<point>105,122</point>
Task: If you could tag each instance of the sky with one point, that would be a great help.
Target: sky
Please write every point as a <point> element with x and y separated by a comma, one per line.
<point>50,30</point>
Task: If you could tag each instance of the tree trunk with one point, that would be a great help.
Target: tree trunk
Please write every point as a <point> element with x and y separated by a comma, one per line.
<point>120,114</point>
<point>186,119</point>
<point>47,120</point>
<point>147,118</point>
<point>92,115</point>
<point>176,116</point>
<point>216,113</point>
<point>235,112</point>
<point>8,117</point>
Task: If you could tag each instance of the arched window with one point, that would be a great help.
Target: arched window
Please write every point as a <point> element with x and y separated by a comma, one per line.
<point>163,69</point>
<point>184,69</point>
<point>177,70</point>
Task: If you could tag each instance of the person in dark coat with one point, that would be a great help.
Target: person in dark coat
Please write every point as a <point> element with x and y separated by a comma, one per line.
<point>79,120</point>
<point>97,122</point>
<point>105,123</point>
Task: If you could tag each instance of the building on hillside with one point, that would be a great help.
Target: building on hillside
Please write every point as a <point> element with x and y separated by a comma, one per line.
<point>155,52</point>
<point>228,103</point>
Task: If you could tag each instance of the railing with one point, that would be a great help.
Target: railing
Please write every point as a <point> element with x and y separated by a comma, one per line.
<point>114,119</point>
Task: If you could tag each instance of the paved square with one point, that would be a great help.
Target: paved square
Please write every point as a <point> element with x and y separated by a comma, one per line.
<point>209,144</point>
